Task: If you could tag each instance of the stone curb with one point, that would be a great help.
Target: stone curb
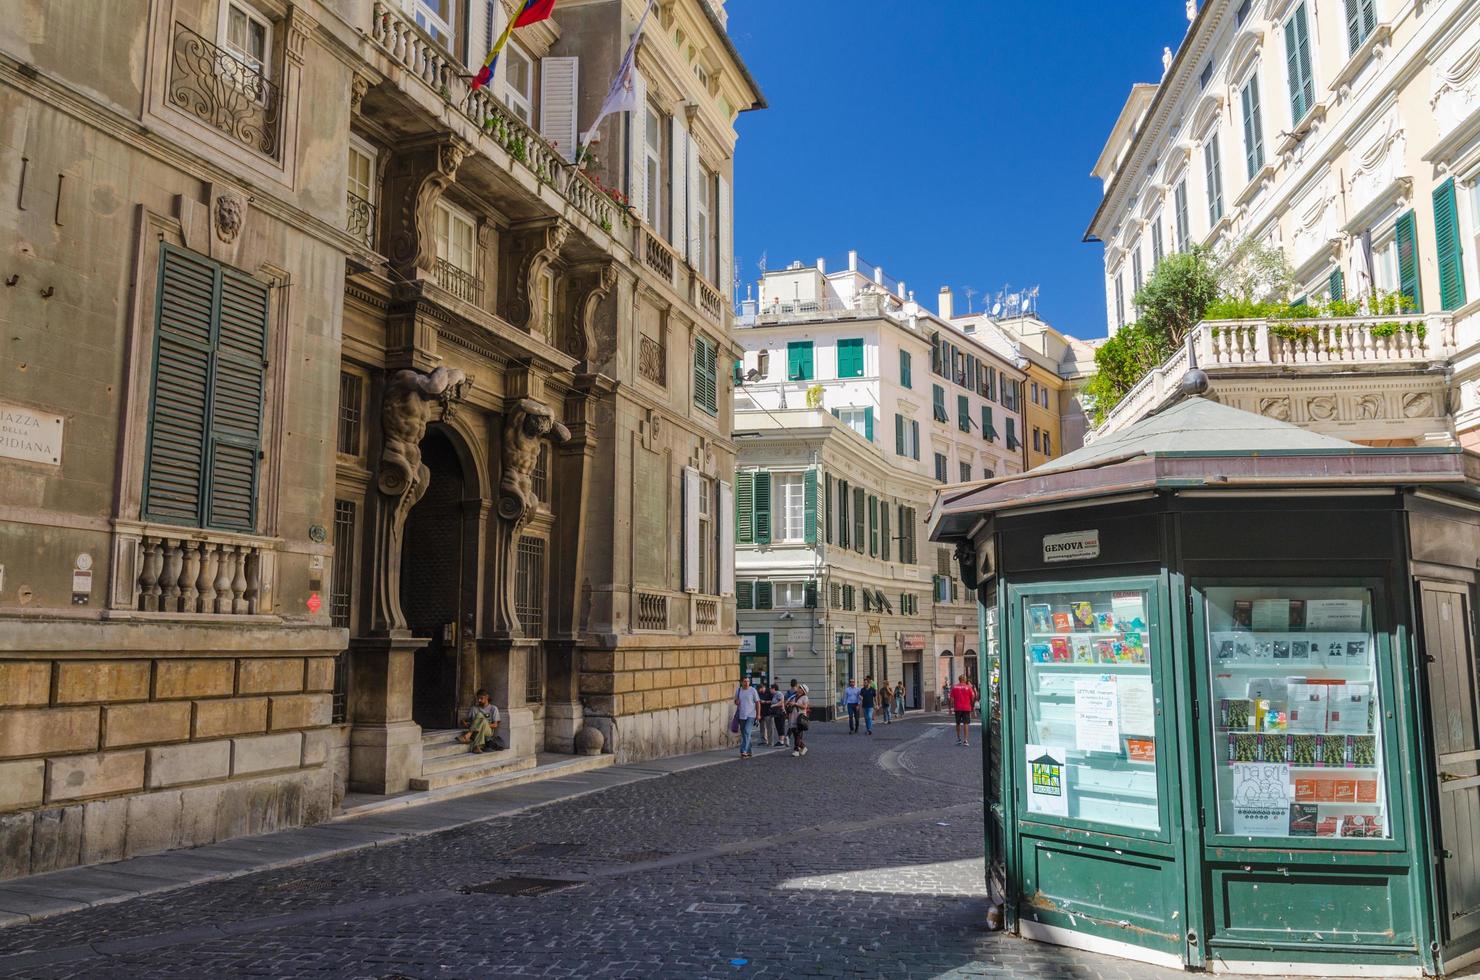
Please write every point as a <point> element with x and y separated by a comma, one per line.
<point>30,899</point>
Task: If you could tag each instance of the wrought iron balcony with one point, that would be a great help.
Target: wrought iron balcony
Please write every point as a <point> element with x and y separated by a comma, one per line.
<point>464,285</point>
<point>360,220</point>
<point>225,92</point>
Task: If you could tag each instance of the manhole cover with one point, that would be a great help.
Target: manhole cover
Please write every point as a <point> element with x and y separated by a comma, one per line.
<point>639,857</point>
<point>713,908</point>
<point>521,886</point>
<point>542,849</point>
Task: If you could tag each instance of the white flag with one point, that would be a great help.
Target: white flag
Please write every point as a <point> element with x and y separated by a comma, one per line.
<point>622,97</point>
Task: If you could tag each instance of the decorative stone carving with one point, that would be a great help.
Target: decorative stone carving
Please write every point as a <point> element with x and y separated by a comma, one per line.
<point>1369,407</point>
<point>1321,408</point>
<point>1454,91</point>
<point>1418,405</point>
<point>1378,162</point>
<point>590,286</point>
<point>526,426</point>
<point>1315,225</point>
<point>532,252</point>
<point>228,216</point>
<point>401,477</point>
<point>358,86</point>
<point>417,176</point>
<point>1275,408</point>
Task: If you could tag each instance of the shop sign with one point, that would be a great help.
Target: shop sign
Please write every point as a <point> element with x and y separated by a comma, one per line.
<point>747,643</point>
<point>912,641</point>
<point>844,642</point>
<point>1048,789</point>
<point>1071,546</point>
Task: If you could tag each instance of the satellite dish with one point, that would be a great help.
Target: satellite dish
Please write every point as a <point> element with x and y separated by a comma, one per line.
<point>997,309</point>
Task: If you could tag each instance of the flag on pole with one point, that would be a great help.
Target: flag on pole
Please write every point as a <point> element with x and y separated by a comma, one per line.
<point>530,12</point>
<point>622,97</point>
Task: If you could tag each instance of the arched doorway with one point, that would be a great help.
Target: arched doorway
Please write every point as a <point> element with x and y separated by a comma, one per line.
<point>434,581</point>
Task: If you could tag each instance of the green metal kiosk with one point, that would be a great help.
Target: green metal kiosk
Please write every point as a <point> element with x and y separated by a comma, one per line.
<point>1233,719</point>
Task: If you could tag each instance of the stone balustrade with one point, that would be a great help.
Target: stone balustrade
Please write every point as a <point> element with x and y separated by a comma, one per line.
<point>196,574</point>
<point>656,253</point>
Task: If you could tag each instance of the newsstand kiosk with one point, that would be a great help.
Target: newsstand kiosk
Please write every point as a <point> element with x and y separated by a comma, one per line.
<point>1236,723</point>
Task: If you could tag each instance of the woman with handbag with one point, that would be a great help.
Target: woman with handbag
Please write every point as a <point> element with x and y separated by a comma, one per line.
<point>797,717</point>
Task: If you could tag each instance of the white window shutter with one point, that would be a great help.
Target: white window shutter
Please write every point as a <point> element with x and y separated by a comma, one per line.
<point>690,529</point>
<point>637,147</point>
<point>693,199</point>
<point>726,246</point>
<point>559,88</point>
<point>680,181</point>
<point>726,518</point>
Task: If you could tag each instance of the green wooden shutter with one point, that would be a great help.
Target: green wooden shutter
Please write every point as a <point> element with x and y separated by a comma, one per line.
<point>873,526</point>
<point>179,412</point>
<point>745,593</point>
<point>1408,260</point>
<point>809,506</point>
<point>827,507</point>
<point>843,528</point>
<point>904,369</point>
<point>884,530</point>
<point>745,507</point>
<point>963,413</point>
<point>868,423</point>
<point>899,435</point>
<point>1297,63</point>
<point>711,377</point>
<point>1253,128</point>
<point>762,525</point>
<point>763,593</point>
<point>810,594</point>
<point>915,438</point>
<point>1353,26</point>
<point>1337,285</point>
<point>850,358</point>
<point>699,371</point>
<point>858,519</point>
<point>1448,249</point>
<point>236,402</point>
<point>799,361</point>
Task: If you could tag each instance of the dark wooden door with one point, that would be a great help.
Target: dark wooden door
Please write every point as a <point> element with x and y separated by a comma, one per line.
<point>1450,652</point>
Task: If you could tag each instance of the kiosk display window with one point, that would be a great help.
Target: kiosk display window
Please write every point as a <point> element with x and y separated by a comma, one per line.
<point>1091,751</point>
<point>1297,738</point>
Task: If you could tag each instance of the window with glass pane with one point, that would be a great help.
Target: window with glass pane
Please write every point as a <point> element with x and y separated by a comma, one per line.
<point>361,174</point>
<point>788,490</point>
<point>247,37</point>
<point>518,83</point>
<point>1297,744</point>
<point>455,238</point>
<point>1091,751</point>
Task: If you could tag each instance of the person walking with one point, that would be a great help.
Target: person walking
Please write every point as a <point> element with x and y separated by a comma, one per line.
<point>797,719</point>
<point>962,699</point>
<point>945,695</point>
<point>868,696</point>
<point>899,699</point>
<point>788,735</point>
<point>768,720</point>
<point>746,704</point>
<point>886,701</point>
<point>851,702</point>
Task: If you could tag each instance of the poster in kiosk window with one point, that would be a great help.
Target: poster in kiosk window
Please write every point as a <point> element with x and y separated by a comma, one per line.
<point>1048,780</point>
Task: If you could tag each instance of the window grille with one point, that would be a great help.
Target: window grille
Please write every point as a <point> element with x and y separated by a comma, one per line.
<point>351,389</point>
<point>539,480</point>
<point>534,675</point>
<point>529,586</point>
<point>341,589</point>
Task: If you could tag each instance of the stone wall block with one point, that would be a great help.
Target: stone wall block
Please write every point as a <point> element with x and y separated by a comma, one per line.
<point>260,806</point>
<point>318,745</point>
<point>301,711</point>
<point>73,777</point>
<point>21,783</point>
<point>318,797</point>
<point>597,661</point>
<point>24,683</point>
<point>194,678</point>
<point>199,812</point>
<point>104,825</point>
<point>230,716</point>
<point>45,731</point>
<point>149,722</point>
<point>15,844</point>
<point>266,752</point>
<point>153,823</point>
<point>319,674</point>
<point>56,839</point>
<point>270,676</point>
<point>599,683</point>
<point>86,681</point>
<point>194,762</point>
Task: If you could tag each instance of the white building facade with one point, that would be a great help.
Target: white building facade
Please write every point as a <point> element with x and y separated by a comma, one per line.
<point>1345,132</point>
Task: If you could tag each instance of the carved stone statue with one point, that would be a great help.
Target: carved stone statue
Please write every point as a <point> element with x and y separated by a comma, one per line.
<point>401,477</point>
<point>526,426</point>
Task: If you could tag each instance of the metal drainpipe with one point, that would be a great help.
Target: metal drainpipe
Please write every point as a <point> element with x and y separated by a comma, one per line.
<point>817,566</point>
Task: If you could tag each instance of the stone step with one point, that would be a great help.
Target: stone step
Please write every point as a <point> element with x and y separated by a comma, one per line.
<point>436,745</point>
<point>451,770</point>
<point>547,767</point>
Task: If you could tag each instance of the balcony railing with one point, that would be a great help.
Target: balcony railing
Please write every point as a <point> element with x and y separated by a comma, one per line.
<point>360,220</point>
<point>429,61</point>
<point>224,92</point>
<point>706,615</point>
<point>656,253</point>
<point>1345,343</point>
<point>464,285</point>
<point>652,611</point>
<point>199,574</point>
<point>707,298</point>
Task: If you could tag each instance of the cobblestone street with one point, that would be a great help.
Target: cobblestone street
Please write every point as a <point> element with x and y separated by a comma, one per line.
<point>861,859</point>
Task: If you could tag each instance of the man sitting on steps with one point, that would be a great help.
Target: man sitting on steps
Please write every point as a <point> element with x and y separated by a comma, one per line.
<point>482,720</point>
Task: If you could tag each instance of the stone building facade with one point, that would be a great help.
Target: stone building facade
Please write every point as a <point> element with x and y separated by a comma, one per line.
<point>334,391</point>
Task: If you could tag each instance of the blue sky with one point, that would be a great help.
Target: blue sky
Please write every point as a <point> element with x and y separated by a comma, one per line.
<point>949,142</point>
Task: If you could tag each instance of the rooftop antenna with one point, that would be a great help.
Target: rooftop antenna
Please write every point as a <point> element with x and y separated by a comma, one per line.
<point>970,292</point>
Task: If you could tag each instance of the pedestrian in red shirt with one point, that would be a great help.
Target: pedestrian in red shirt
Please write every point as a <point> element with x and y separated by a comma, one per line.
<point>962,699</point>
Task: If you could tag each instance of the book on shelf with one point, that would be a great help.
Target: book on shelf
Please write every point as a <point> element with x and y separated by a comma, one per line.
<point>1040,617</point>
<point>1062,623</point>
